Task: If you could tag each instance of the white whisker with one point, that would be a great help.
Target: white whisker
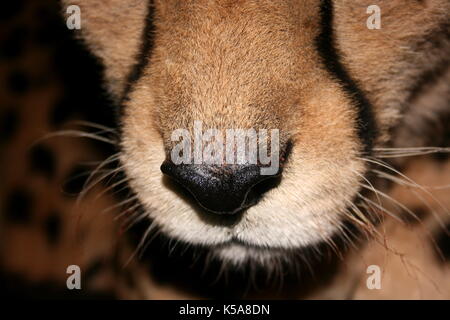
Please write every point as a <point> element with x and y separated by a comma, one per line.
<point>95,126</point>
<point>385,165</point>
<point>401,205</point>
<point>76,134</point>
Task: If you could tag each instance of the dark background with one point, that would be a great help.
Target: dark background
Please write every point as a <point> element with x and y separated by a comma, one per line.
<point>47,79</point>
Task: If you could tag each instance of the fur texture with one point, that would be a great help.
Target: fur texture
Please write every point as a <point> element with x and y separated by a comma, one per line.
<point>259,64</point>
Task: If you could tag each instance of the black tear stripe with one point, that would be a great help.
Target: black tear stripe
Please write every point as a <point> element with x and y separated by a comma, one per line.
<point>331,58</point>
<point>142,58</point>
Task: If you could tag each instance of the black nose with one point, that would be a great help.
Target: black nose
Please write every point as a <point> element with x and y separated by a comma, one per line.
<point>220,189</point>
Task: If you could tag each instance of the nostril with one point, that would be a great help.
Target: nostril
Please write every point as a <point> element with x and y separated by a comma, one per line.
<point>260,188</point>
<point>169,169</point>
<point>221,189</point>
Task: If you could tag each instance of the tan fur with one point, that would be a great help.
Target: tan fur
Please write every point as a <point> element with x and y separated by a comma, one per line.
<point>225,70</point>
<point>387,62</point>
<point>254,64</point>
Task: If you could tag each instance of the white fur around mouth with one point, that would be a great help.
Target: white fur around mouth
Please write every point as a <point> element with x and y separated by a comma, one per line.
<point>237,252</point>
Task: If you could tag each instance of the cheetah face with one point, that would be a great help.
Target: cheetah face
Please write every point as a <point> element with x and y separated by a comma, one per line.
<point>186,72</point>
<point>242,67</point>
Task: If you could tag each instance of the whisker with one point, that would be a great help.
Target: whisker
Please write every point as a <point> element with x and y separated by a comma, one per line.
<point>75,134</point>
<point>408,152</point>
<point>82,174</point>
<point>119,204</point>
<point>120,215</point>
<point>369,183</point>
<point>401,205</point>
<point>360,215</point>
<point>114,185</point>
<point>407,184</point>
<point>414,184</point>
<point>413,149</point>
<point>95,126</point>
<point>353,216</point>
<point>141,243</point>
<point>88,185</point>
<point>150,240</point>
<point>385,165</point>
<point>385,175</point>
<point>95,182</point>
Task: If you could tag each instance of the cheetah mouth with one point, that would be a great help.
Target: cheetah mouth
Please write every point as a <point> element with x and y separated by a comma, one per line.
<point>235,242</point>
<point>238,252</point>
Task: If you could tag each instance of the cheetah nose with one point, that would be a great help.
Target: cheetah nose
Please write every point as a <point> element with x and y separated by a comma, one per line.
<point>221,189</point>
